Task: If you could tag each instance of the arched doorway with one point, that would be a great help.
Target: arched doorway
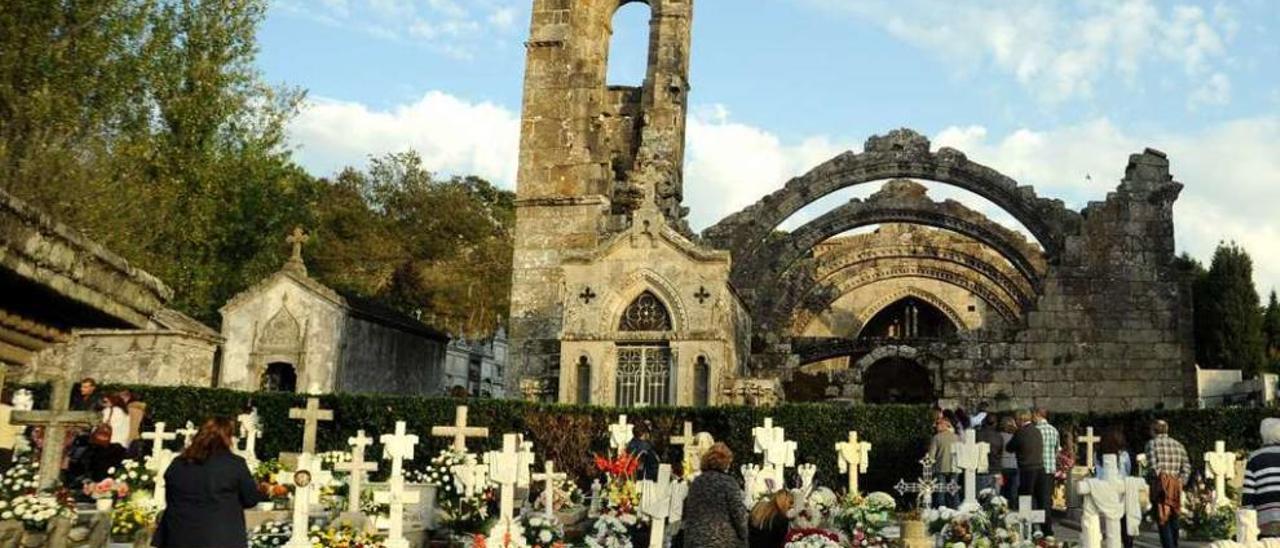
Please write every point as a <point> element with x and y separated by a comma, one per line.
<point>279,377</point>
<point>898,380</point>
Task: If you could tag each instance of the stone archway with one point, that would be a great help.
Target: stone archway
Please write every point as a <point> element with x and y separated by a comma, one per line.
<point>901,153</point>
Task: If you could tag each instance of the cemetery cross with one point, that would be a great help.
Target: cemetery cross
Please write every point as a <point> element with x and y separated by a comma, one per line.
<point>853,459</point>
<point>357,467</point>
<point>551,478</point>
<point>1221,466</point>
<point>310,416</point>
<point>1088,439</point>
<point>460,431</point>
<point>397,447</point>
<point>55,421</point>
<point>971,456</point>
<point>1027,516</point>
<point>187,432</point>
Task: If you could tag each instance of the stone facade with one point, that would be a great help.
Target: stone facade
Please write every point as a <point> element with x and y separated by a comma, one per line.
<point>173,350</point>
<point>478,366</point>
<point>1090,315</point>
<point>291,326</point>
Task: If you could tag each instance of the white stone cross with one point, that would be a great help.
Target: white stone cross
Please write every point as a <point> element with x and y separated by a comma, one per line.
<point>686,442</point>
<point>460,431</point>
<point>470,477</point>
<point>1220,465</point>
<point>1247,526</point>
<point>806,472</point>
<point>1104,506</point>
<point>356,468</point>
<point>397,448</point>
<point>771,441</point>
<point>1088,439</point>
<point>158,437</point>
<point>552,480</point>
<point>505,469</point>
<point>311,415</point>
<point>160,491</point>
<point>853,456</point>
<point>620,434</point>
<point>655,502</point>
<point>250,433</point>
<point>971,456</point>
<point>926,485</point>
<point>1027,516</point>
<point>306,482</point>
<point>187,432</point>
<point>694,452</point>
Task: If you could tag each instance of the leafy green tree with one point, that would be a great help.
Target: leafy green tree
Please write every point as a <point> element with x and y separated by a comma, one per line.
<point>1229,322</point>
<point>439,249</point>
<point>145,124</point>
<point>1271,331</point>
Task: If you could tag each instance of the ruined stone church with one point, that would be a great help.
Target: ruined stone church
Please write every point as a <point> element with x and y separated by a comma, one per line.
<point>897,297</point>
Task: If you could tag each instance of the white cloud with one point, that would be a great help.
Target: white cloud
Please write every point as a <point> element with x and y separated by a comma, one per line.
<point>1058,51</point>
<point>453,136</point>
<point>1231,170</point>
<point>455,28</point>
<point>1214,91</point>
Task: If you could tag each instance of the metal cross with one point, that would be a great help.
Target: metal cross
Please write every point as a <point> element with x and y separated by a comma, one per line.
<point>586,295</point>
<point>926,485</point>
<point>1088,439</point>
<point>702,295</point>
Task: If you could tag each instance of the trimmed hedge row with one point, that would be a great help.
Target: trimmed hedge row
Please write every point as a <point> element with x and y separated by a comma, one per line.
<point>572,434</point>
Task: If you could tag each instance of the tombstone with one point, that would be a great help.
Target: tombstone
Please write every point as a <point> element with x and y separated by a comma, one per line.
<point>188,433</point>
<point>311,415</point>
<point>1027,517</point>
<point>161,465</point>
<point>620,434</point>
<point>1247,526</point>
<point>505,470</point>
<point>356,469</point>
<point>550,479</point>
<point>249,432</point>
<point>853,456</point>
<point>397,447</point>
<point>751,489</point>
<point>1088,439</point>
<point>1103,507</point>
<point>470,477</point>
<point>55,421</point>
<point>927,485</point>
<point>684,441</point>
<point>771,441</point>
<point>306,482</point>
<point>971,456</point>
<point>806,473</point>
<point>655,502</point>
<point>1220,465</point>
<point>157,437</point>
<point>460,431</point>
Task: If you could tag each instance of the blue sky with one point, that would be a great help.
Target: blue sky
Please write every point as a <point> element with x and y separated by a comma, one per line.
<point>1055,94</point>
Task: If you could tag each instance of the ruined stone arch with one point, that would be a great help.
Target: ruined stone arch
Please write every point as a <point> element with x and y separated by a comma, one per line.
<point>900,201</point>
<point>902,153</point>
<point>824,296</point>
<point>648,280</point>
<point>929,360</point>
<point>925,295</point>
<point>830,264</point>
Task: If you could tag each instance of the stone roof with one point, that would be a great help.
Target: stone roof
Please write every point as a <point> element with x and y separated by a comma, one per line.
<point>94,287</point>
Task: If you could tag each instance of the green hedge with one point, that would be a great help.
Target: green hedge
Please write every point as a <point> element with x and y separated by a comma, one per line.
<point>571,434</point>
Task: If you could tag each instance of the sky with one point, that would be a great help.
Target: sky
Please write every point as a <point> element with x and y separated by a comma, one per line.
<point>1054,94</point>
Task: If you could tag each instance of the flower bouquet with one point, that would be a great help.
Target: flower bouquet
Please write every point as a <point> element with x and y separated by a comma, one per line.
<point>568,502</point>
<point>36,510</point>
<point>342,537</point>
<point>131,519</point>
<point>133,476</point>
<point>611,530</point>
<point>270,534</point>
<point>817,510</point>
<point>621,498</point>
<point>864,519</point>
<point>541,531</point>
<point>1205,519</point>
<point>457,511</point>
<point>106,489</point>
<point>18,480</point>
<point>812,538</point>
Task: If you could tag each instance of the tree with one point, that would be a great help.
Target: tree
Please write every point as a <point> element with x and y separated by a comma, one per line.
<point>1271,331</point>
<point>145,124</point>
<point>438,249</point>
<point>1229,323</point>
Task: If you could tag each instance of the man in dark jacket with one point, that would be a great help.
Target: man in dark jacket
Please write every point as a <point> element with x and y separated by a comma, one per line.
<point>1028,445</point>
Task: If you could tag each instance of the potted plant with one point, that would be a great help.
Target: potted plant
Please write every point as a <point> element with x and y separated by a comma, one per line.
<point>912,529</point>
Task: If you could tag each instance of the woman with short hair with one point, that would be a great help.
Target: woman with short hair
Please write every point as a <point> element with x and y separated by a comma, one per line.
<point>208,490</point>
<point>714,516</point>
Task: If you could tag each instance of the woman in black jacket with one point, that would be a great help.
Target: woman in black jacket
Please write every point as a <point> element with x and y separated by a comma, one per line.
<point>208,489</point>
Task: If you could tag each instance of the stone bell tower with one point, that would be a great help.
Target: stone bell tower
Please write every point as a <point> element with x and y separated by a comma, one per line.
<point>589,154</point>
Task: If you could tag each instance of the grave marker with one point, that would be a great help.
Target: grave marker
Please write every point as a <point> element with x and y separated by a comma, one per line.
<point>460,431</point>
<point>311,415</point>
<point>853,457</point>
<point>356,469</point>
<point>55,421</point>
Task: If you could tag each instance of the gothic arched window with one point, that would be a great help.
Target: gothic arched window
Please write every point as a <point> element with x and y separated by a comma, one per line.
<point>646,313</point>
<point>584,380</point>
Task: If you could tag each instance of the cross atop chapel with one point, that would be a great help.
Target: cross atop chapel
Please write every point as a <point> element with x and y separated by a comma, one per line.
<point>296,239</point>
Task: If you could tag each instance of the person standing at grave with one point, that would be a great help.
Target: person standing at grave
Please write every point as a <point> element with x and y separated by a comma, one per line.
<point>107,440</point>
<point>641,448</point>
<point>1044,485</point>
<point>1008,459</point>
<point>1261,474</point>
<point>1170,468</point>
<point>1028,445</point>
<point>208,490</point>
<point>941,449</point>
<point>714,516</point>
<point>769,521</point>
<point>989,433</point>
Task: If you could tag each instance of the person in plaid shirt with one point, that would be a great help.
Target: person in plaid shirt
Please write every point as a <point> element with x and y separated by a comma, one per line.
<point>1170,468</point>
<point>1049,450</point>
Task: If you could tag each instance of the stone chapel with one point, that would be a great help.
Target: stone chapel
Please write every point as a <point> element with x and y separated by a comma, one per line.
<point>291,333</point>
